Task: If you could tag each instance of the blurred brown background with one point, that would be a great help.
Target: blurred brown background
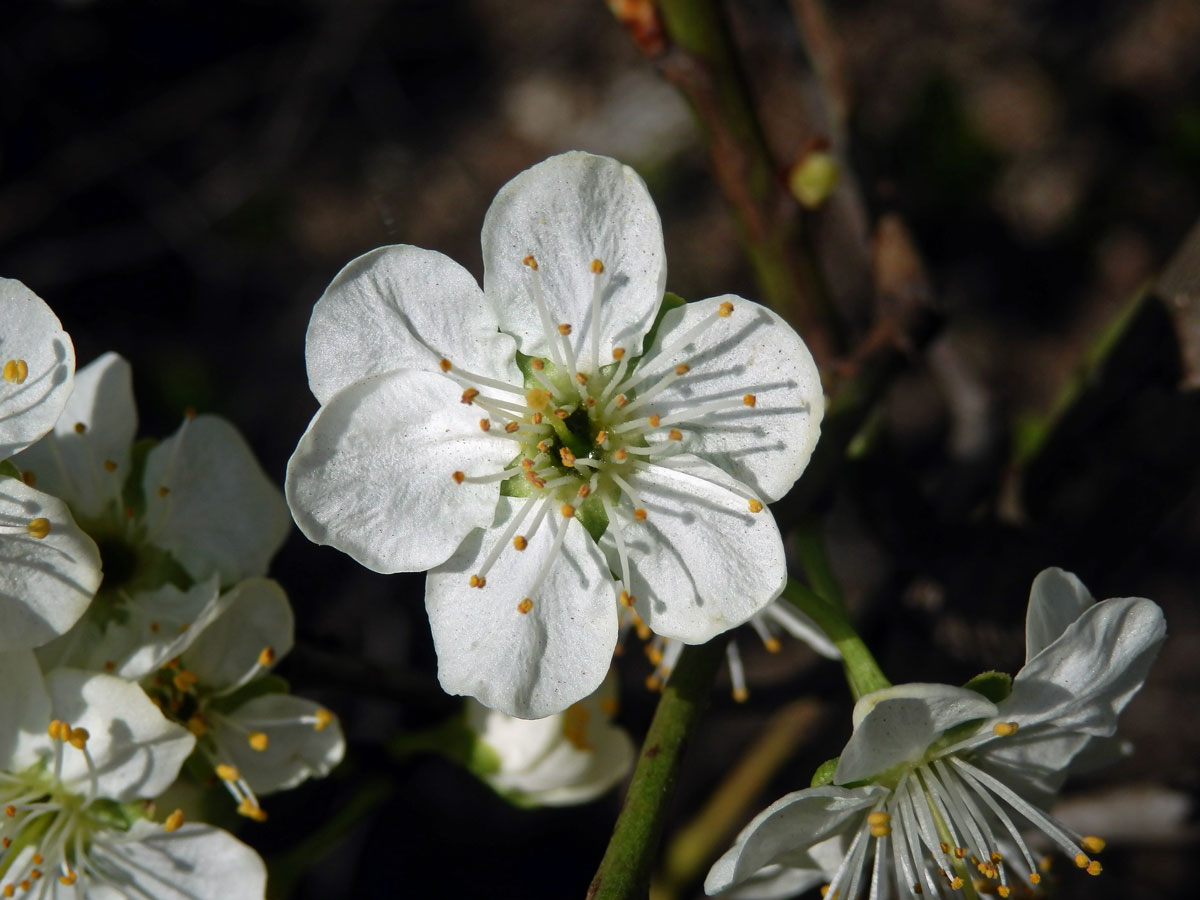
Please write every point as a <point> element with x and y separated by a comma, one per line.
<point>180,180</point>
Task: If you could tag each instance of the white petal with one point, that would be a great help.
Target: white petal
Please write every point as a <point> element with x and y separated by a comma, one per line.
<point>194,862</point>
<point>295,749</point>
<point>701,562</point>
<point>31,333</point>
<point>403,307</point>
<point>24,712</point>
<point>70,463</point>
<point>1056,599</point>
<point>1083,680</point>
<point>137,752</point>
<point>566,212</point>
<point>795,822</point>
<point>898,724</point>
<point>526,664</point>
<point>221,513</point>
<point>373,474</point>
<point>255,614</point>
<point>569,776</point>
<point>753,351</point>
<point>519,743</point>
<point>155,626</point>
<point>45,584</point>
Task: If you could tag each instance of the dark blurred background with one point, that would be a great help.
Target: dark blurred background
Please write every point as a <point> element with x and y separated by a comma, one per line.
<point>180,179</point>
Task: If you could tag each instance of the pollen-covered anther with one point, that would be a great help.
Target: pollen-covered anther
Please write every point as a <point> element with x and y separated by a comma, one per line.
<point>197,726</point>
<point>39,527</point>
<point>584,491</point>
<point>1003,890</point>
<point>184,680</point>
<point>597,267</point>
<point>1081,860</point>
<point>266,656</point>
<point>250,811</point>
<point>654,420</point>
<point>675,434</point>
<point>1004,729</point>
<point>755,505</point>
<point>79,738</point>
<point>1094,867</point>
<point>564,329</point>
<point>879,823</point>
<point>621,400</point>
<point>511,427</point>
<point>536,418</point>
<point>581,377</point>
<point>1035,878</point>
<point>67,878</point>
<point>639,514</point>
<point>477,581</point>
<point>80,428</point>
<point>520,543</point>
<point>1093,844</point>
<point>531,262</point>
<point>621,455</point>
<point>567,457</point>
<point>485,424</point>
<point>459,477</point>
<point>525,606</point>
<point>227,772</point>
<point>618,353</point>
<point>469,395</point>
<point>536,398</point>
<point>601,437</point>
<point>750,400</point>
<point>561,413</point>
<point>682,369</point>
<point>772,644</point>
<point>445,364</point>
<point>173,821</point>
<point>725,310</point>
<point>16,371</point>
<point>567,510</point>
<point>626,598</point>
<point>537,364</point>
<point>322,719</point>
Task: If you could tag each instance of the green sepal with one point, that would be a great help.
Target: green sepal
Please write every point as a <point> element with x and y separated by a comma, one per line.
<point>824,773</point>
<point>453,739</point>
<point>9,468</point>
<point>996,686</point>
<point>259,687</point>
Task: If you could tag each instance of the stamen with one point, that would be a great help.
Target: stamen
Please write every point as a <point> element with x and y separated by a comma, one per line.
<point>597,268</point>
<point>479,579</point>
<point>622,554</point>
<point>38,528</point>
<point>543,312</point>
<point>16,371</point>
<point>622,359</point>
<point>737,673</point>
<point>469,378</point>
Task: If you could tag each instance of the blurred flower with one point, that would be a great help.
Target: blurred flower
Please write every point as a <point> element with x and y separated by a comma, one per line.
<point>561,428</point>
<point>936,781</point>
<point>80,750</point>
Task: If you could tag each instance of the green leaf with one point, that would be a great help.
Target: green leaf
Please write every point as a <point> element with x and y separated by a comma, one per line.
<point>824,773</point>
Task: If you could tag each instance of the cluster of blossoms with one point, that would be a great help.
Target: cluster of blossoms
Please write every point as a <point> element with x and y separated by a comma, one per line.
<point>136,631</point>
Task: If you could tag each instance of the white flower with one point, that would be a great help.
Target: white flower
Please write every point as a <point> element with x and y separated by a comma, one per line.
<point>173,524</point>
<point>37,363</point>
<point>255,736</point>
<point>494,436</point>
<point>562,760</point>
<point>79,750</point>
<point>934,785</point>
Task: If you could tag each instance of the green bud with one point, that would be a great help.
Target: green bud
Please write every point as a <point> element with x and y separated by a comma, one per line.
<point>814,178</point>
<point>824,773</point>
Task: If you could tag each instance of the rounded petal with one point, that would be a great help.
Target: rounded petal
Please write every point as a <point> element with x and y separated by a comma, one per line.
<point>751,351</point>
<point>194,862</point>
<point>210,504</point>
<point>34,389</point>
<point>566,213</point>
<point>85,459</point>
<point>373,474</point>
<point>519,743</point>
<point>137,752</point>
<point>296,749</point>
<point>898,724</point>
<point>792,824</point>
<point>1056,599</point>
<point>402,307</point>
<point>701,562</point>
<point>254,615</point>
<point>569,775</point>
<point>24,712</point>
<point>532,663</point>
<point>46,583</point>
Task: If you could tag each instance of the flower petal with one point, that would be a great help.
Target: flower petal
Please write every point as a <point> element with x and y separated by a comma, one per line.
<point>136,751</point>
<point>534,663</point>
<point>402,307</point>
<point>565,213</point>
<point>795,822</point>
<point>295,750</point>
<point>210,504</point>
<point>31,336</point>
<point>254,615</point>
<point>1056,599</point>
<point>87,466</point>
<point>898,724</point>
<point>1083,680</point>
<point>374,471</point>
<point>194,862</point>
<point>752,351</point>
<point>569,776</point>
<point>24,712</point>
<point>701,562</point>
<point>46,583</point>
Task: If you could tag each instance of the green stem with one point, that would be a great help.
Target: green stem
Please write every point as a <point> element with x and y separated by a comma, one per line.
<point>862,671</point>
<point>624,873</point>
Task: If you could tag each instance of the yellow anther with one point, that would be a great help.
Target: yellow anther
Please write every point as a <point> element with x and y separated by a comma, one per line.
<point>725,310</point>
<point>520,543</point>
<point>469,395</point>
<point>322,719</point>
<point>197,726</point>
<point>654,654</point>
<point>564,329</point>
<point>537,364</point>
<point>1094,867</point>
<point>682,369</point>
<point>525,606</point>
<point>654,420</point>
<point>824,889</point>
<point>227,772</point>
<point>1046,863</point>
<point>639,514</point>
<point>618,352</point>
<point>755,505</point>
<point>511,427</point>
<point>561,413</point>
<point>250,811</point>
<point>581,377</point>
<point>750,400</point>
<point>956,883</point>
<point>945,847</point>
<point>626,598</point>
<point>68,878</point>
<point>458,477</point>
<point>960,852</point>
<point>642,629</point>
<point>621,400</point>
<point>266,656</point>
<point>597,267</point>
<point>601,437</point>
<point>530,261</point>
<point>1082,860</point>
<point>1093,844</point>
<point>477,581</point>
<point>173,821</point>
<point>880,830</point>
<point>39,527</point>
<point>1035,878</point>
<point>1003,890</point>
<point>78,738</point>
<point>258,740</point>
<point>55,729</point>
<point>16,371</point>
<point>38,859</point>
<point>163,490</point>
<point>879,817</point>
<point>584,491</point>
<point>567,510</point>
<point>445,364</point>
<point>996,857</point>
<point>653,683</point>
<point>1004,729</point>
<point>621,455</point>
<point>110,466</point>
<point>567,457</point>
<point>675,434</point>
<point>486,424</point>
<point>29,478</point>
<point>10,810</point>
<point>772,644</point>
<point>740,695</point>
<point>80,428</point>
<point>536,419</point>
<point>184,680</point>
